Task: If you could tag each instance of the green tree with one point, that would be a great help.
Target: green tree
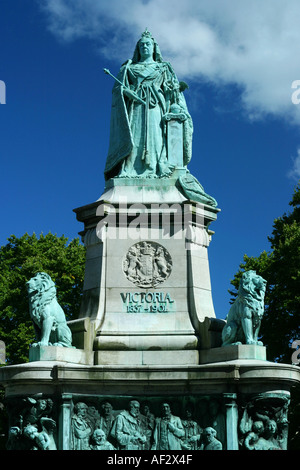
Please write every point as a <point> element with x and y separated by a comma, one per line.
<point>20,259</point>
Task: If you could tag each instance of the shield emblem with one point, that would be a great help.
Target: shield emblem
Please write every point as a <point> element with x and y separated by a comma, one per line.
<point>147,264</point>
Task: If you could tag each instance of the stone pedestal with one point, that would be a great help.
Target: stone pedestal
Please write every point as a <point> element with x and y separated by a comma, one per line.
<point>56,353</point>
<point>233,353</point>
<point>147,283</point>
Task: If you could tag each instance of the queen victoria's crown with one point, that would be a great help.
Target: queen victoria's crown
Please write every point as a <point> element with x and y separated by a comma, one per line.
<point>147,35</point>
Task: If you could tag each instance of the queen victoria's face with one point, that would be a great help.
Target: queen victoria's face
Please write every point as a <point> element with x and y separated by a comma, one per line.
<point>146,48</point>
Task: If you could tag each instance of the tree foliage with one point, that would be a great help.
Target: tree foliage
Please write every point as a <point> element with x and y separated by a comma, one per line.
<point>20,259</point>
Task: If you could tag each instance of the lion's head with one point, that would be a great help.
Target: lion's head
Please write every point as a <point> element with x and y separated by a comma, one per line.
<point>253,284</point>
<point>41,285</point>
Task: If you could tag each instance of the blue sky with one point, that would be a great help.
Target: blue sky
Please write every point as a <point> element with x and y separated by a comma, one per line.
<point>239,60</point>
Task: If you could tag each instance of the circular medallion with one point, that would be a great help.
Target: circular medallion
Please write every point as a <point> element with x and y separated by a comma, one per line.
<point>147,264</point>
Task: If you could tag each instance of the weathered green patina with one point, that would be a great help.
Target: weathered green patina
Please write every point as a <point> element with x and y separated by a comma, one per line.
<point>47,315</point>
<point>151,129</point>
<point>245,315</point>
<point>146,90</point>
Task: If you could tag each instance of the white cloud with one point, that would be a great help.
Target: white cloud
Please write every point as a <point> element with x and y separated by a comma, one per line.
<point>255,45</point>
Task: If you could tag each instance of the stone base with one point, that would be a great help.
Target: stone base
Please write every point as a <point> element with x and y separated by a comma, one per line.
<point>232,353</point>
<point>148,307</point>
<point>60,354</point>
<point>220,393</point>
<point>146,358</point>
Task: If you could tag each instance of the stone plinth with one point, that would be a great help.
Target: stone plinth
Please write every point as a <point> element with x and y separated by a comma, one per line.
<point>147,282</point>
<point>60,354</point>
<point>232,353</point>
<point>46,377</point>
<point>147,358</point>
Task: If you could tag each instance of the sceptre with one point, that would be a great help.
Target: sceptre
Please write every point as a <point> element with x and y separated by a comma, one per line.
<point>132,92</point>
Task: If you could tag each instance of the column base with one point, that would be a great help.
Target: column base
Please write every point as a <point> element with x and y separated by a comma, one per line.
<point>60,354</point>
<point>232,353</point>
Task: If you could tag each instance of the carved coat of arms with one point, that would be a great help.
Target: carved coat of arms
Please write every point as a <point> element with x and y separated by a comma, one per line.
<point>147,264</point>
